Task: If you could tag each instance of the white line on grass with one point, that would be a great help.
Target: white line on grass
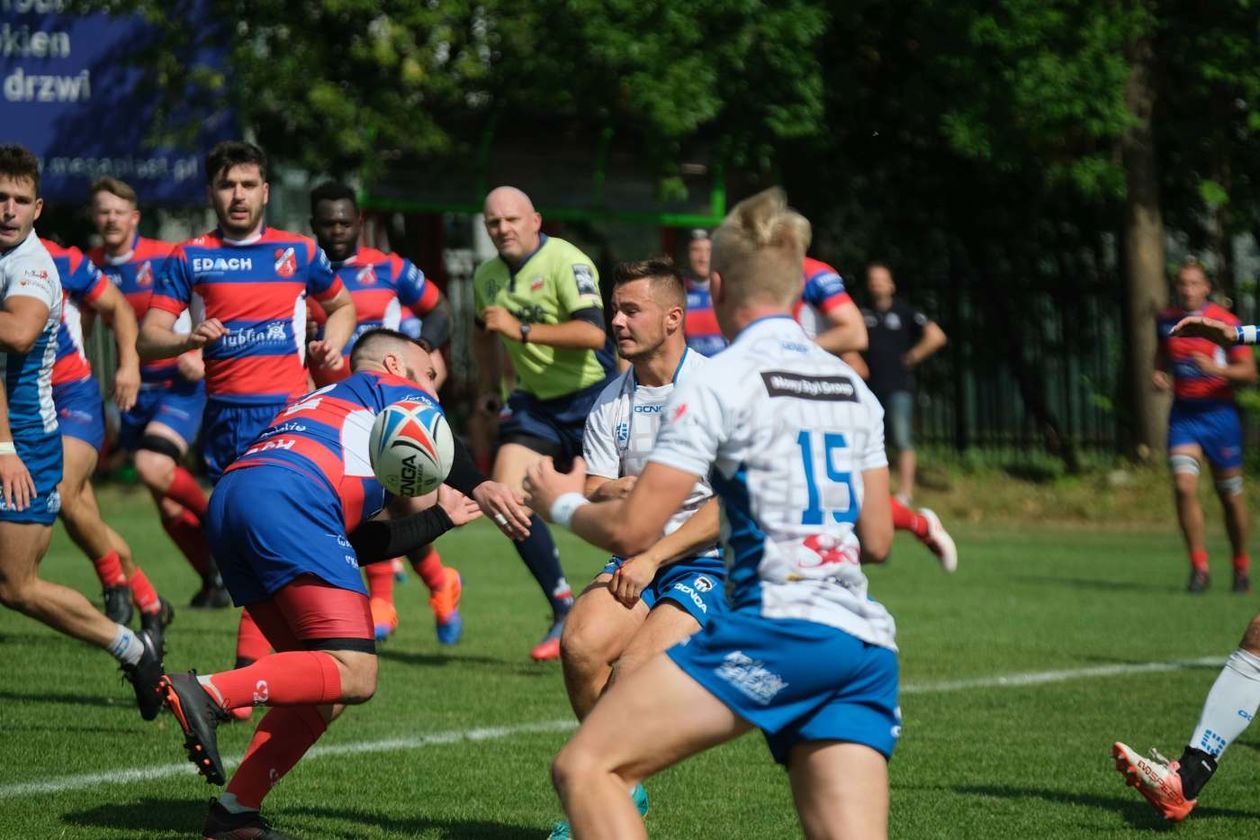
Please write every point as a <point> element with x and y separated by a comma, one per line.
<point>162,771</point>
<point>494,733</point>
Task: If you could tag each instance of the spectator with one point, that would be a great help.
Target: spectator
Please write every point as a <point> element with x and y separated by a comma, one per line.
<point>901,338</point>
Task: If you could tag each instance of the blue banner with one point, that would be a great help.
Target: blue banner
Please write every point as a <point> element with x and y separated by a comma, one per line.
<point>73,90</point>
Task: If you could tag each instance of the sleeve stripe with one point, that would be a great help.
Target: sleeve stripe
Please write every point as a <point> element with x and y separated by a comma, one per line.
<point>332,291</point>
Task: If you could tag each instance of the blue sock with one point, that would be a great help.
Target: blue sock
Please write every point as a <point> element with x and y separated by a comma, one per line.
<point>542,559</point>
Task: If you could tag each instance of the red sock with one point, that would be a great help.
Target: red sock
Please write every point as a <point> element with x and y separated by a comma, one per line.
<point>1199,559</point>
<point>109,570</point>
<point>1242,564</point>
<point>143,593</point>
<point>187,492</point>
<point>185,531</point>
<point>905,519</point>
<point>251,644</point>
<point>380,581</point>
<point>283,736</point>
<point>429,566</point>
<point>293,678</point>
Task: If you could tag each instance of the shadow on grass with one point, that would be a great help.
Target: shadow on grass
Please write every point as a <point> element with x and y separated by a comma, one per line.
<point>406,657</point>
<point>183,818</point>
<point>1133,808</point>
<point>165,817</point>
<point>65,699</point>
<point>1094,583</point>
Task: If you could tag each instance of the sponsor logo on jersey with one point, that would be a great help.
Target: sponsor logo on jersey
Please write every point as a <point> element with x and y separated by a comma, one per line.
<point>584,276</point>
<point>286,262</point>
<point>751,677</point>
<point>647,409</point>
<point>272,333</point>
<point>211,265</point>
<point>806,387</point>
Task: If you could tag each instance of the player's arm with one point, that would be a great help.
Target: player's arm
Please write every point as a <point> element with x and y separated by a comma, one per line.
<point>932,340</point>
<point>496,500</point>
<point>158,339</point>
<point>874,525</point>
<point>623,526</point>
<point>16,485</point>
<point>1218,332</point>
<point>847,331</point>
<point>21,321</point>
<point>383,539</point>
<point>113,307</point>
<point>584,332</point>
<point>1239,367</point>
<point>699,532</point>
<point>435,325</point>
<point>340,325</point>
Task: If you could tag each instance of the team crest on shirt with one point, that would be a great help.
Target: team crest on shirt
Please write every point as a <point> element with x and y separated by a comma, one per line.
<point>144,274</point>
<point>623,434</point>
<point>286,262</point>
<point>366,276</point>
<point>536,284</point>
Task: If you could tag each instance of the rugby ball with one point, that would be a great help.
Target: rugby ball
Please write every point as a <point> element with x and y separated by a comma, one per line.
<point>411,448</point>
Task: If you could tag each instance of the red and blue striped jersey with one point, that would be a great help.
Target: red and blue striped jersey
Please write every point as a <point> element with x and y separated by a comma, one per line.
<point>381,285</point>
<point>324,437</point>
<point>258,290</point>
<point>81,284</point>
<point>1190,383</point>
<point>135,274</point>
<point>822,291</point>
<point>701,326</point>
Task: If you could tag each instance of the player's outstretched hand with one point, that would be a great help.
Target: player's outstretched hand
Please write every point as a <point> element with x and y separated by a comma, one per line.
<point>126,386</point>
<point>458,507</point>
<point>324,355</point>
<point>1197,326</point>
<point>16,484</point>
<point>629,581</point>
<point>504,508</point>
<point>208,331</point>
<point>544,484</point>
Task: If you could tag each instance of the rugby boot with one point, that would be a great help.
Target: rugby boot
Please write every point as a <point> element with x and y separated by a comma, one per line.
<point>549,647</point>
<point>1242,583</point>
<point>155,623</point>
<point>146,675</point>
<point>384,619</point>
<point>1199,581</point>
<point>222,824</point>
<point>1156,778</point>
<point>118,604</point>
<point>939,542</point>
<point>444,601</point>
<point>199,717</point>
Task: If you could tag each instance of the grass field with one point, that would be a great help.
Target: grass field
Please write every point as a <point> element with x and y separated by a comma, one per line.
<point>456,743</point>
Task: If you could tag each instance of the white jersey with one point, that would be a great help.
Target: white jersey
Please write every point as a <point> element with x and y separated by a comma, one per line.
<point>784,431</point>
<point>621,431</point>
<point>27,270</point>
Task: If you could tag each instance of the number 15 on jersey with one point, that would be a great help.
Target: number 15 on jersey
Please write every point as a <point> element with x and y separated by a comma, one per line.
<point>829,489</point>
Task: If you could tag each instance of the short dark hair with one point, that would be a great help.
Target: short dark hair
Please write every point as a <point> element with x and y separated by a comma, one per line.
<point>663,273</point>
<point>874,264</point>
<point>364,344</point>
<point>113,186</point>
<point>18,162</point>
<point>333,191</point>
<point>231,153</point>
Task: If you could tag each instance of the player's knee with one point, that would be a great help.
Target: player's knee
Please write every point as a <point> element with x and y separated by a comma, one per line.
<point>156,467</point>
<point>572,765</point>
<point>583,645</point>
<point>16,594</point>
<point>1229,486</point>
<point>1185,472</point>
<point>358,678</point>
<point>1251,638</point>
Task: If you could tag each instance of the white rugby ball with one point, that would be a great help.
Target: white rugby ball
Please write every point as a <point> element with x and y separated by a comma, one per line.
<point>411,448</point>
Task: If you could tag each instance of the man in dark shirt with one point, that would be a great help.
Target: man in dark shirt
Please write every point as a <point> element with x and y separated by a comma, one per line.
<point>901,337</point>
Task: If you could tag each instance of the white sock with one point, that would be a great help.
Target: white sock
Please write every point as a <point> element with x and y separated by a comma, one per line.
<point>1231,704</point>
<point>126,647</point>
<point>231,805</point>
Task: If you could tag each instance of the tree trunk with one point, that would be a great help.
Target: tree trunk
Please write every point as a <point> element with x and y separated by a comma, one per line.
<point>1145,284</point>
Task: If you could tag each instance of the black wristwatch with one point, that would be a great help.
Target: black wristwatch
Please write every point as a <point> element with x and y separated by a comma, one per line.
<point>524,333</point>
